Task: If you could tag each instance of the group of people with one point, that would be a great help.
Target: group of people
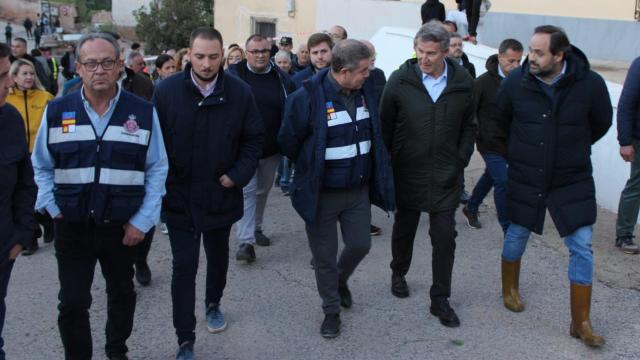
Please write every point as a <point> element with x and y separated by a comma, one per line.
<point>201,149</point>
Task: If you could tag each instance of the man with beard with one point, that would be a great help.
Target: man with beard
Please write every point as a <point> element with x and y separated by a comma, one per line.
<point>214,137</point>
<point>319,45</point>
<point>554,109</point>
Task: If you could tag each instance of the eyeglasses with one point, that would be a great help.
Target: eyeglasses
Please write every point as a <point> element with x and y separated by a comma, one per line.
<point>258,52</point>
<point>93,65</point>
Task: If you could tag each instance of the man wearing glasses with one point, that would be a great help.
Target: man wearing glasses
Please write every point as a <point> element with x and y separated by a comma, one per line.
<point>100,166</point>
<point>270,87</point>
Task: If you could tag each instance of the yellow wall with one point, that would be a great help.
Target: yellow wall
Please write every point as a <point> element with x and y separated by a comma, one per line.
<point>595,9</point>
<point>233,18</point>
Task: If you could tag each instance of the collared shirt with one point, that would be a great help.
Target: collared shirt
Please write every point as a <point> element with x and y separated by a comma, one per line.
<point>434,86</point>
<point>500,72</point>
<point>348,97</point>
<point>557,77</point>
<point>208,88</point>
<point>549,88</point>
<point>156,169</point>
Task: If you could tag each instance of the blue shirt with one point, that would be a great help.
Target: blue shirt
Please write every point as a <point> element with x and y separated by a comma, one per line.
<point>435,86</point>
<point>549,88</point>
<point>157,166</point>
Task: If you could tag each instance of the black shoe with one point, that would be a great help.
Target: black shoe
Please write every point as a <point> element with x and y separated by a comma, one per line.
<point>143,273</point>
<point>345,296</point>
<point>118,357</point>
<point>375,231</point>
<point>472,218</point>
<point>48,232</point>
<point>330,326</point>
<point>261,239</point>
<point>246,253</point>
<point>31,249</point>
<point>445,313</point>
<point>399,287</point>
<point>626,245</point>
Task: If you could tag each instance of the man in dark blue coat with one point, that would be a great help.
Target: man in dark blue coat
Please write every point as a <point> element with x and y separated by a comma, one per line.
<point>554,107</point>
<point>214,136</point>
<point>332,132</point>
<point>629,139</point>
<point>17,189</point>
<point>319,45</point>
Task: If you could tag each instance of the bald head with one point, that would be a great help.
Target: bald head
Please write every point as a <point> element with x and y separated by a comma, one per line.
<point>372,50</point>
<point>337,33</point>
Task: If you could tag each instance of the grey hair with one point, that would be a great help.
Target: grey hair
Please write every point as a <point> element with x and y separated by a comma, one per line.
<point>96,36</point>
<point>433,31</point>
<point>282,54</point>
<point>347,54</point>
<point>132,55</point>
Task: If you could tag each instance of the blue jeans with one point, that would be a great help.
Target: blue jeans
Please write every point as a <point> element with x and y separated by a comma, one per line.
<point>285,171</point>
<point>495,175</point>
<point>5,273</point>
<point>579,244</point>
<point>185,248</point>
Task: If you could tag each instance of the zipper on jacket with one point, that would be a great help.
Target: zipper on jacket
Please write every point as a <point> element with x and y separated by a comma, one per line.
<point>26,112</point>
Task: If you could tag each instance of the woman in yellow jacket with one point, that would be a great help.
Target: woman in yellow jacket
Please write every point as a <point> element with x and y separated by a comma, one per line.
<point>29,97</point>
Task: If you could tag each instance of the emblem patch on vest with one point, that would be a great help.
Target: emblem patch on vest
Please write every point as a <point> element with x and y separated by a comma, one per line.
<point>331,111</point>
<point>68,122</point>
<point>131,125</point>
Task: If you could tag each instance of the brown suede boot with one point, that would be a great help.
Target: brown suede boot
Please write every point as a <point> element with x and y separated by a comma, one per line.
<point>580,310</point>
<point>510,284</point>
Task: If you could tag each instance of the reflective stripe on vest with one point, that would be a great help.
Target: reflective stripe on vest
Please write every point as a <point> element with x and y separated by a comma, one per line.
<point>342,117</point>
<point>71,133</point>
<point>347,152</point>
<point>74,176</point>
<point>107,176</point>
<point>121,177</point>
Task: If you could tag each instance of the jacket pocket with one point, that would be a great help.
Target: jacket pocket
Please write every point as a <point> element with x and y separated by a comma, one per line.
<point>124,202</point>
<point>224,200</point>
<point>67,156</point>
<point>126,157</point>
<point>72,201</point>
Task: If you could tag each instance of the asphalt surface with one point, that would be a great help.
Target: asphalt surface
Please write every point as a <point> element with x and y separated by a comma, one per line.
<point>273,308</point>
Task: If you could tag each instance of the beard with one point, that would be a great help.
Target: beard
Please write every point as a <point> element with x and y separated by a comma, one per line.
<point>203,78</point>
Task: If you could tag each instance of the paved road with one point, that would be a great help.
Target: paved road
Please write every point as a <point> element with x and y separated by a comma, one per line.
<point>274,311</point>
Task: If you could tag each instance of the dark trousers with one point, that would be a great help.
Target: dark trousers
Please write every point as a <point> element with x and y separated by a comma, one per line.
<point>5,273</point>
<point>350,207</point>
<point>495,176</point>
<point>443,240</point>
<point>142,249</point>
<point>473,15</point>
<point>185,247</point>
<point>78,247</point>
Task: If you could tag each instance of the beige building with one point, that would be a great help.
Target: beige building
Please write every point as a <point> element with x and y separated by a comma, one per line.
<point>238,19</point>
<point>589,23</point>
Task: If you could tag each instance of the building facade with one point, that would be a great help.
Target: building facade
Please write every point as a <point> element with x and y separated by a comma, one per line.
<point>591,24</point>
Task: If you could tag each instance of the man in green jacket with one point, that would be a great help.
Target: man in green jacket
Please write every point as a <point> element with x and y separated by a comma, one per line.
<point>427,125</point>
